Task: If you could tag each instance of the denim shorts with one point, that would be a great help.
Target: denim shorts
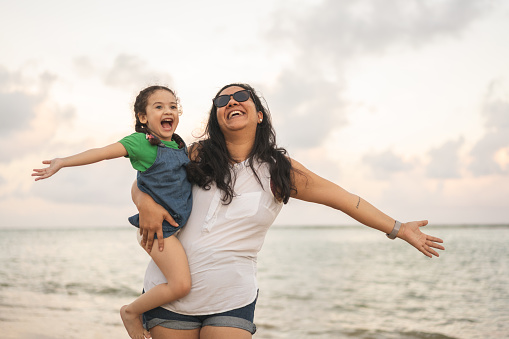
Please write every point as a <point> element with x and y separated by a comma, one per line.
<point>239,318</point>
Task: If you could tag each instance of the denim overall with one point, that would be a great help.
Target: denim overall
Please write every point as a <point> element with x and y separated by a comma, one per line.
<point>166,182</point>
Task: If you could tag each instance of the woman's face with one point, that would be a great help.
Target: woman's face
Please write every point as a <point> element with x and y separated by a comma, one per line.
<point>237,116</point>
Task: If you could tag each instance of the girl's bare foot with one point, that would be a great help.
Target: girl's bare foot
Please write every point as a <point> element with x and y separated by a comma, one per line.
<point>133,325</point>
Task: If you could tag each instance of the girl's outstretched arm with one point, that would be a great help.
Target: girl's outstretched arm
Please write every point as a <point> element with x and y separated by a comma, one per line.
<point>112,151</point>
<point>313,188</point>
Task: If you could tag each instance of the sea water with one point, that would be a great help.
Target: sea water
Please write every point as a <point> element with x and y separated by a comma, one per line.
<point>315,282</point>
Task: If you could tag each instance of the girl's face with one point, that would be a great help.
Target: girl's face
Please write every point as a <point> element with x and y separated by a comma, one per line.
<point>237,115</point>
<point>162,116</point>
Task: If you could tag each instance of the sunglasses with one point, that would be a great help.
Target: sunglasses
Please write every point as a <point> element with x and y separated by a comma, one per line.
<point>224,99</point>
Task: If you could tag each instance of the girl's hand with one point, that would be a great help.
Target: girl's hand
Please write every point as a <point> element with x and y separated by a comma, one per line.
<point>54,166</point>
<point>411,233</point>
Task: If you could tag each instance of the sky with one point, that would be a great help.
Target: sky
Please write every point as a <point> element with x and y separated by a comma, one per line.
<point>402,102</point>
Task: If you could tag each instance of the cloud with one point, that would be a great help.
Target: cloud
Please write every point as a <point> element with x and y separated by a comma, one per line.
<point>308,95</point>
<point>107,182</point>
<point>495,141</point>
<point>16,106</point>
<point>27,111</point>
<point>84,66</point>
<point>339,29</point>
<point>126,72</point>
<point>383,165</point>
<point>306,107</point>
<point>445,160</point>
<point>17,109</point>
<point>46,80</point>
<point>7,79</point>
<point>19,98</point>
<point>129,71</point>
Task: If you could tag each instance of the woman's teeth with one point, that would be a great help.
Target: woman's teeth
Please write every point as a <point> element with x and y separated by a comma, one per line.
<point>234,113</point>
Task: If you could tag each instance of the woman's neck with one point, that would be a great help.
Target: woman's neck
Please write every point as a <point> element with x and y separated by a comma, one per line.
<point>239,148</point>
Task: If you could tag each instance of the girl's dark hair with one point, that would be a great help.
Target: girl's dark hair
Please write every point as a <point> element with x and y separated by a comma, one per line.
<point>140,107</point>
<point>212,163</point>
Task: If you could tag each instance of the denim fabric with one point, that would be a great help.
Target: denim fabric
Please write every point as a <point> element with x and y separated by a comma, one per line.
<point>166,182</point>
<point>239,318</point>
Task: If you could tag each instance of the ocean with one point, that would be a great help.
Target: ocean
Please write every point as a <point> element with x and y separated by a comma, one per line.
<point>315,282</point>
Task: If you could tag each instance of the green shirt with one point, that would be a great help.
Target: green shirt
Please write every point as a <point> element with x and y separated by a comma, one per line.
<point>141,153</point>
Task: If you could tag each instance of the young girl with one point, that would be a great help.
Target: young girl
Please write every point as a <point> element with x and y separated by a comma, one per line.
<point>160,156</point>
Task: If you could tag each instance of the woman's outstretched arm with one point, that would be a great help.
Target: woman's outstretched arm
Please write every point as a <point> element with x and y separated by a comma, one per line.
<point>313,188</point>
<point>151,218</point>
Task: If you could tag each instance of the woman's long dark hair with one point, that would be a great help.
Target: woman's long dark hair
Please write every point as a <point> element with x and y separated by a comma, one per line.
<point>212,162</point>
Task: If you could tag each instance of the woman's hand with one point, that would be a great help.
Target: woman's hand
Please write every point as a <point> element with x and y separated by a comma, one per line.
<point>411,233</point>
<point>151,218</point>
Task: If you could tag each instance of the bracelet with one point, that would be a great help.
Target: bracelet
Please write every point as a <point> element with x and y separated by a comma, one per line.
<point>394,231</point>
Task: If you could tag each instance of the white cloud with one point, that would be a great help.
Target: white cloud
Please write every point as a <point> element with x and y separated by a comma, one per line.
<point>107,182</point>
<point>17,106</point>
<point>324,38</point>
<point>488,151</point>
<point>384,98</point>
<point>17,110</point>
<point>8,79</point>
<point>335,30</point>
<point>308,107</point>
<point>129,71</point>
<point>27,111</point>
<point>445,160</point>
<point>383,165</point>
<point>84,66</point>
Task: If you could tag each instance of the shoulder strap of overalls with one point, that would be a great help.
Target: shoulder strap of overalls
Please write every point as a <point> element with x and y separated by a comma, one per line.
<point>180,142</point>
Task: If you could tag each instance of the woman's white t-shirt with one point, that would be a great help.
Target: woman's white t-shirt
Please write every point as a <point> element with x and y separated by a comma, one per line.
<point>222,243</point>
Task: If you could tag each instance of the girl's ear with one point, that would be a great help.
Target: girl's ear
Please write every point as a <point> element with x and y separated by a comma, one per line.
<point>142,117</point>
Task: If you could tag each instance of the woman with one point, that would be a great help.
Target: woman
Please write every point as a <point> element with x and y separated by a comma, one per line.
<point>241,182</point>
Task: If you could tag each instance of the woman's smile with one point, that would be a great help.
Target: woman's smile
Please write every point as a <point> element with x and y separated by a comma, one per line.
<point>237,115</point>
<point>234,114</point>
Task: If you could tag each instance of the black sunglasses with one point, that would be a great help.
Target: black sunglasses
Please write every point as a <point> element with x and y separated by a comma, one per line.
<point>224,99</point>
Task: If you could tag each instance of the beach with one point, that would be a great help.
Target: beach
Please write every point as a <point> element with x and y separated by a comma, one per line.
<point>315,282</point>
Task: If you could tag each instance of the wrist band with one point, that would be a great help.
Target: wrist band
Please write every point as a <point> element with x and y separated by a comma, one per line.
<point>394,231</point>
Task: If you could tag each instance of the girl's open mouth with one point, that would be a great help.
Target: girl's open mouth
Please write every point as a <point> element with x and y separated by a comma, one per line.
<point>167,124</point>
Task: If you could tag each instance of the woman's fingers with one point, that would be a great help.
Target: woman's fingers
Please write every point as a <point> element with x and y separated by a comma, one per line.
<point>424,243</point>
<point>426,253</point>
<point>143,233</point>
<point>149,241</point>
<point>160,239</point>
<point>435,243</point>
<point>432,251</point>
<point>437,246</point>
<point>428,248</point>
<point>435,239</point>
